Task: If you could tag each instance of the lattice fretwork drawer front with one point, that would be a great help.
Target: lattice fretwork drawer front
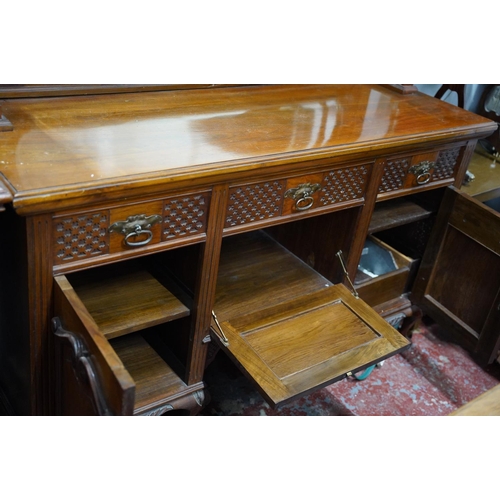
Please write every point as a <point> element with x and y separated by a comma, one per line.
<point>394,174</point>
<point>255,202</point>
<point>419,170</point>
<point>446,163</point>
<point>81,236</point>
<point>344,184</point>
<point>185,216</point>
<point>129,227</point>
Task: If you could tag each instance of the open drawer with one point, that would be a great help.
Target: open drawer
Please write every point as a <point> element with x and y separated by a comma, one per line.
<point>384,273</point>
<point>106,329</point>
<point>288,328</point>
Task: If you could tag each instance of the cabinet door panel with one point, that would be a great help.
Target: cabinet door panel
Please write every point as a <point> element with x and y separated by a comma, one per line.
<point>91,378</point>
<point>459,281</point>
<point>293,331</point>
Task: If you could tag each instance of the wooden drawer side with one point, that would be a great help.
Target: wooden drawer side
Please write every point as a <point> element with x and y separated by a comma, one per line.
<point>380,289</point>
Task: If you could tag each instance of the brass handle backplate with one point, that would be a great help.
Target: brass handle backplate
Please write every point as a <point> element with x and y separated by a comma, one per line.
<point>303,195</point>
<point>136,226</point>
<point>423,171</point>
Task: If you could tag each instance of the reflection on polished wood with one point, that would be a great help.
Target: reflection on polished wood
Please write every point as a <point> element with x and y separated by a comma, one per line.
<point>98,144</point>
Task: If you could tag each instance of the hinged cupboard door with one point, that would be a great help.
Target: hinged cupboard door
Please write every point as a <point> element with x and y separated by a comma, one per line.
<point>458,282</point>
<point>90,377</point>
<point>288,328</point>
<point>111,357</point>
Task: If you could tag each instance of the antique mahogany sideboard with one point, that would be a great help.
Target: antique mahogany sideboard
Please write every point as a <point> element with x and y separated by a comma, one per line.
<point>146,227</point>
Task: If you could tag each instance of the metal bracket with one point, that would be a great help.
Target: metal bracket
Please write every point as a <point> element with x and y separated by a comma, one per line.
<point>220,334</point>
<point>340,255</point>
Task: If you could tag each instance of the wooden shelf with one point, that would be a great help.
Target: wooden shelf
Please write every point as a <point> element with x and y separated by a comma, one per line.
<point>127,303</point>
<point>397,212</point>
<point>156,384</point>
<point>256,273</point>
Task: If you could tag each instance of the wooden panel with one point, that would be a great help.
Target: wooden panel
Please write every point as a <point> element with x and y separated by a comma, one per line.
<point>379,290</point>
<point>205,284</point>
<point>255,273</point>
<point>466,279</point>
<point>128,303</point>
<point>292,331</point>
<point>282,345</point>
<point>478,221</point>
<point>115,387</point>
<point>393,213</point>
<point>447,164</point>
<point>312,239</point>
<point>185,215</point>
<point>488,404</point>
<point>376,291</point>
<point>80,236</point>
<point>458,283</point>
<point>394,176</point>
<point>314,342</point>
<point>254,202</point>
<point>157,385</point>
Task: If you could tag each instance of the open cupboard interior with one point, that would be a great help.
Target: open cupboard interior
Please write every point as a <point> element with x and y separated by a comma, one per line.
<point>288,326</point>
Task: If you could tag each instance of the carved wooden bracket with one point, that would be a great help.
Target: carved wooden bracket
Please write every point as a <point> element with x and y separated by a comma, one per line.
<point>83,367</point>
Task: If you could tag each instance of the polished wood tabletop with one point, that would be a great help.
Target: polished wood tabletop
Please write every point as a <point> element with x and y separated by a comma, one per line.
<point>66,145</point>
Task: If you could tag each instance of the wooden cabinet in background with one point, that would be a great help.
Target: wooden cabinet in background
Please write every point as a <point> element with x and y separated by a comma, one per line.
<point>152,226</point>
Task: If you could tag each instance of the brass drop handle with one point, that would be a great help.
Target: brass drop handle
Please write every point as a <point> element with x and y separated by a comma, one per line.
<point>134,226</point>
<point>302,195</point>
<point>423,171</point>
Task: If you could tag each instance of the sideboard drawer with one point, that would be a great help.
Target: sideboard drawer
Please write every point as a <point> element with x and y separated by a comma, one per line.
<point>414,171</point>
<point>383,275</point>
<point>110,230</point>
<point>259,202</point>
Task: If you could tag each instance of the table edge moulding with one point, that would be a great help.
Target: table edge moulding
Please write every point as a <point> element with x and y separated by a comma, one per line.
<point>154,226</point>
